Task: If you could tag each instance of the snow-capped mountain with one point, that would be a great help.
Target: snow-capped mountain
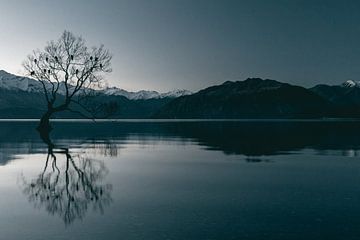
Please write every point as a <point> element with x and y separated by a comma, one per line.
<point>12,82</point>
<point>176,93</point>
<point>144,94</point>
<point>351,84</point>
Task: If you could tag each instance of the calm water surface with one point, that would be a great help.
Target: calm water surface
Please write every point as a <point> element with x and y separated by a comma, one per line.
<point>181,180</point>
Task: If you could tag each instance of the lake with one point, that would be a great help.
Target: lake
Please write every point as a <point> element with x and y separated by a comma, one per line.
<point>181,180</point>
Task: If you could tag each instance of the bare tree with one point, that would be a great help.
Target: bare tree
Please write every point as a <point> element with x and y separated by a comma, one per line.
<point>69,73</point>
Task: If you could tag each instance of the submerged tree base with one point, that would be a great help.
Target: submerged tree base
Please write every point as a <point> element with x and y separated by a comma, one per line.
<point>44,124</point>
<point>44,128</point>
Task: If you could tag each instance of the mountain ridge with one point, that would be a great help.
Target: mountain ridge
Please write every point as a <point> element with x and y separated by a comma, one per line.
<point>145,94</point>
<point>251,98</point>
<point>22,97</point>
<point>11,81</point>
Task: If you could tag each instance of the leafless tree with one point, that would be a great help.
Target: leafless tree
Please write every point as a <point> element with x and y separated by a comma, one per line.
<point>69,72</point>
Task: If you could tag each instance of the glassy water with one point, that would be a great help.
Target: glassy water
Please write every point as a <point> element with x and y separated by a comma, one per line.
<point>181,180</point>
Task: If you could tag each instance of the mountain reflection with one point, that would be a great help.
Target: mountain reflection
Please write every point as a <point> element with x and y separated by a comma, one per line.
<point>71,182</point>
<point>69,186</point>
<point>249,138</point>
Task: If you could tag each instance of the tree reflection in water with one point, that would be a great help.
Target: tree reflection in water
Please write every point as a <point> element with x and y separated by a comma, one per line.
<point>70,190</point>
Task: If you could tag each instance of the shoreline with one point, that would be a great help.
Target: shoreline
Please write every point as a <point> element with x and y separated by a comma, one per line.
<point>187,120</point>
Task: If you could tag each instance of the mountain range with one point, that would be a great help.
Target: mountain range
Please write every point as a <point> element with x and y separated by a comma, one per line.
<point>21,97</point>
<point>10,81</point>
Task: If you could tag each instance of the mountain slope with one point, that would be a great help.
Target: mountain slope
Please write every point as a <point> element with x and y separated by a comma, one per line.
<point>10,81</point>
<point>252,98</point>
<point>21,104</point>
<point>339,95</point>
<point>345,98</point>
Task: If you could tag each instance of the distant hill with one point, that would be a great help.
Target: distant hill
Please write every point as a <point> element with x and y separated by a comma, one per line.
<point>345,94</point>
<point>252,98</point>
<point>345,98</point>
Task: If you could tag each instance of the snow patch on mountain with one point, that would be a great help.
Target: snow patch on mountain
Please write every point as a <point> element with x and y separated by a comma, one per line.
<point>144,94</point>
<point>351,84</point>
<point>176,93</point>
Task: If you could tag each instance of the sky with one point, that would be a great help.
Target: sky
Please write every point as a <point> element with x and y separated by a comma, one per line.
<point>192,44</point>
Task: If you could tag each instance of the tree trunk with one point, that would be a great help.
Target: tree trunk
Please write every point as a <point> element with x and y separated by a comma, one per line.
<point>44,124</point>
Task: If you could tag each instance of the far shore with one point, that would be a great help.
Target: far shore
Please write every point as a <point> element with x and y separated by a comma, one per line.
<point>187,120</point>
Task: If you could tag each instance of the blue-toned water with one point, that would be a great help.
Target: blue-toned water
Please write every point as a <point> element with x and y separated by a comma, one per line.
<point>181,180</point>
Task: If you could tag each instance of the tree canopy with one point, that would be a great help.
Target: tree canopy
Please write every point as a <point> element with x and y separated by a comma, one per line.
<point>68,68</point>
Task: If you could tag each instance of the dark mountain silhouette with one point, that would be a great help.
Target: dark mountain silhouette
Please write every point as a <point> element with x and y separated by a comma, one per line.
<point>21,104</point>
<point>252,98</point>
<point>345,99</point>
<point>338,95</point>
<point>24,104</point>
<point>127,108</point>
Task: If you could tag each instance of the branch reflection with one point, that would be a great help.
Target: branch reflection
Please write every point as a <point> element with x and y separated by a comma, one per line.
<point>69,189</point>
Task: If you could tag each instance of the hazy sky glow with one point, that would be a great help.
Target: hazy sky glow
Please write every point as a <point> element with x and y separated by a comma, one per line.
<point>163,45</point>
